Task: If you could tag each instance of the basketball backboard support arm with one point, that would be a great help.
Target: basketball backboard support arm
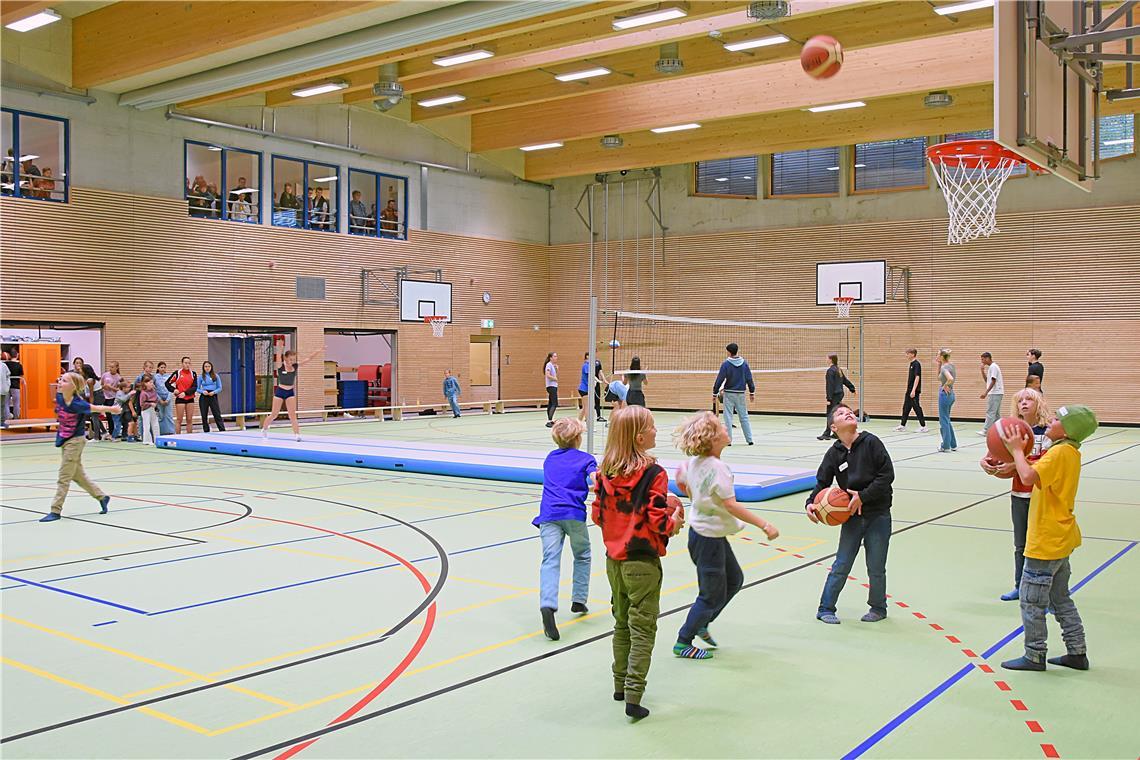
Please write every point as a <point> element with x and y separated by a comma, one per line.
<point>381,286</point>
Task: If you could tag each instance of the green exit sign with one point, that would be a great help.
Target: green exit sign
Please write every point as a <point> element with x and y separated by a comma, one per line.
<point>488,324</point>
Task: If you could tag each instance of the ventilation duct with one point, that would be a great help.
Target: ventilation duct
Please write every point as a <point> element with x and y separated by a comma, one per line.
<point>768,10</point>
<point>670,61</point>
<point>387,91</point>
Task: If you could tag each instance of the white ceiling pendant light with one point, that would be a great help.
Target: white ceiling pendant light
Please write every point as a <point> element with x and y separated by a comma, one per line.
<point>655,16</point>
<point>735,47</point>
<point>35,21</point>
<point>441,101</point>
<point>675,128</point>
<point>837,106</point>
<point>541,146</point>
<point>950,10</point>
<point>597,71</point>
<point>320,89</point>
<point>466,56</point>
<point>326,179</point>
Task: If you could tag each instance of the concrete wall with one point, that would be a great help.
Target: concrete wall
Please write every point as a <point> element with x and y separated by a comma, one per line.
<point>142,153</point>
<point>687,215</point>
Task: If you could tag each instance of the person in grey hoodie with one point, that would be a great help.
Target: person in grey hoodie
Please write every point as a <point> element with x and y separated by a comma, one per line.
<point>734,377</point>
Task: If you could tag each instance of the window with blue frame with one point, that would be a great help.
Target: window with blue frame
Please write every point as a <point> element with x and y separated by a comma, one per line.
<point>890,165</point>
<point>223,183</point>
<point>1117,136</point>
<point>305,194</point>
<point>36,152</point>
<point>805,172</point>
<point>377,204</point>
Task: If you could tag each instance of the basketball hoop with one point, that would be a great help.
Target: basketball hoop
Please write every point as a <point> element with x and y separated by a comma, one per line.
<point>843,306</point>
<point>971,174</point>
<point>437,325</point>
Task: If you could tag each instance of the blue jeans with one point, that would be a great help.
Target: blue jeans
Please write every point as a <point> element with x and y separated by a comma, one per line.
<point>166,418</point>
<point>874,533</point>
<point>736,401</point>
<point>454,401</point>
<point>945,428</point>
<point>552,534</point>
<point>719,577</point>
<point>116,425</point>
<point>1045,583</point>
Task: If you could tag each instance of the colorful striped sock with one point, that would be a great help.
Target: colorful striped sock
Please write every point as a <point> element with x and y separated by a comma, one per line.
<point>691,652</point>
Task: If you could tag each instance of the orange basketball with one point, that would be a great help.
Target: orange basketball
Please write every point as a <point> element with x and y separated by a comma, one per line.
<point>994,463</point>
<point>996,445</point>
<point>822,57</point>
<point>833,506</point>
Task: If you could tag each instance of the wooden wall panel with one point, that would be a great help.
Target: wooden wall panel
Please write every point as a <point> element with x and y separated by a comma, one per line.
<point>1067,282</point>
<point>157,279</point>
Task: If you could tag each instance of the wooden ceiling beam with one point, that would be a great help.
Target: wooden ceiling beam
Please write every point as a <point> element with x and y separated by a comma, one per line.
<point>937,63</point>
<point>367,66</point>
<point>863,26</point>
<point>886,118</point>
<point>133,37</point>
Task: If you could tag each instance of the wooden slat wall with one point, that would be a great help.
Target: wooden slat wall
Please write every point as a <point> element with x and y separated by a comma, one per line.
<point>158,278</point>
<point>1067,282</point>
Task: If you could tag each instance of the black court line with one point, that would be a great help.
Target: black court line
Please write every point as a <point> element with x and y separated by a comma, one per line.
<point>107,524</point>
<point>101,557</point>
<point>427,601</point>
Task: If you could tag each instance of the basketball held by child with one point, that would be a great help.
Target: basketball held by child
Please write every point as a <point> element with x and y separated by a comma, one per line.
<point>997,463</point>
<point>821,57</point>
<point>833,506</point>
<point>1003,428</point>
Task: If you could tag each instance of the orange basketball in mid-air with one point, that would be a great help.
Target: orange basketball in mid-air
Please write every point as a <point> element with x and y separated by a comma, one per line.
<point>822,57</point>
<point>833,506</point>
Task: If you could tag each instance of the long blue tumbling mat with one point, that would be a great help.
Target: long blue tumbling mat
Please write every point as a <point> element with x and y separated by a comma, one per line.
<point>754,482</point>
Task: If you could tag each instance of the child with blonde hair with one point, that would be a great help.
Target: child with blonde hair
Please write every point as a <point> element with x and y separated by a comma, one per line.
<point>714,515</point>
<point>566,476</point>
<point>637,515</point>
<point>1029,405</point>
<point>71,412</point>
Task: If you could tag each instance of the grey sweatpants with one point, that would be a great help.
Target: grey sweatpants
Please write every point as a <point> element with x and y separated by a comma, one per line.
<point>993,410</point>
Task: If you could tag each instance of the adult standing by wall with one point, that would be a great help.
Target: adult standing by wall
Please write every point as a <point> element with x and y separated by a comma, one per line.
<point>451,391</point>
<point>16,370</point>
<point>209,386</point>
<point>165,404</point>
<point>550,376</point>
<point>947,376</point>
<point>913,393</point>
<point>1033,356</point>
<point>834,382</point>
<point>5,389</point>
<point>183,384</point>
<point>635,379</point>
<point>87,372</point>
<point>110,381</point>
<point>994,392</point>
<point>584,388</point>
<point>734,378</point>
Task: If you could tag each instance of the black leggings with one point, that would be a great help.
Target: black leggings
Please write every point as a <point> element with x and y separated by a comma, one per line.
<point>913,403</point>
<point>210,404</point>
<point>831,411</point>
<point>551,401</point>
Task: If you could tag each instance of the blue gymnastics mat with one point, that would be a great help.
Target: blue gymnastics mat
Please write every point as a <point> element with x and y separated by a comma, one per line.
<point>754,482</point>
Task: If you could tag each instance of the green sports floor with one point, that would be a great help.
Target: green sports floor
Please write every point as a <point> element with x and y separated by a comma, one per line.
<point>234,607</point>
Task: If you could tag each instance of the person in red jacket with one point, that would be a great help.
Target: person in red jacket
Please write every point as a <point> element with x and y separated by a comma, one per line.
<point>184,385</point>
<point>637,515</point>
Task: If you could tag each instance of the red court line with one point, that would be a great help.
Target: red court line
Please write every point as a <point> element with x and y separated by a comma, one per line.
<point>1050,750</point>
<point>1018,705</point>
<point>919,615</point>
<point>936,627</point>
<point>985,668</point>
<point>1003,685</point>
<point>969,653</point>
<point>953,639</point>
<point>1034,726</point>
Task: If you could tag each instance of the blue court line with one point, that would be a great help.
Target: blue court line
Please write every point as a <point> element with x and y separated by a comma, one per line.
<point>909,712</point>
<point>106,622</point>
<point>74,593</point>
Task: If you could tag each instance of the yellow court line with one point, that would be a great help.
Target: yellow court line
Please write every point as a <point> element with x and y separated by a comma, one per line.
<point>102,694</point>
<point>293,550</point>
<point>136,657</point>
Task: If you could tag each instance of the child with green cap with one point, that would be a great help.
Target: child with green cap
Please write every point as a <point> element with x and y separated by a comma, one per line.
<point>1052,536</point>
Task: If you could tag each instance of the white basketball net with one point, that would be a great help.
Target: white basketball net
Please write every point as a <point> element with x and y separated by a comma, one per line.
<point>843,307</point>
<point>437,326</point>
<point>971,196</point>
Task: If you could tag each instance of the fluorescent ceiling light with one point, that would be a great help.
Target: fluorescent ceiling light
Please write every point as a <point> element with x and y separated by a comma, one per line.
<point>542,146</point>
<point>675,128</point>
<point>250,189</point>
<point>722,179</point>
<point>833,168</point>
<point>35,21</point>
<point>734,47</point>
<point>746,177</point>
<point>213,147</point>
<point>465,57</point>
<point>948,10</point>
<point>319,89</point>
<point>33,157</point>
<point>443,101</point>
<point>837,106</point>
<point>860,166</point>
<point>325,179</point>
<point>1126,141</point>
<point>599,71</point>
<point>650,17</point>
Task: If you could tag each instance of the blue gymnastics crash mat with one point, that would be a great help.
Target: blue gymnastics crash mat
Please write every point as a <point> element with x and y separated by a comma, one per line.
<point>754,482</point>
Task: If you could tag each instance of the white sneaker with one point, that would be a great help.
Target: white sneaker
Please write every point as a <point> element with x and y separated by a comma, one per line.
<point>298,437</point>
<point>981,432</point>
<point>900,429</point>
<point>265,433</point>
<point>924,429</point>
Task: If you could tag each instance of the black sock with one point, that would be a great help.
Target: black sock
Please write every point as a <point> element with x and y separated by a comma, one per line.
<point>637,712</point>
<point>619,696</point>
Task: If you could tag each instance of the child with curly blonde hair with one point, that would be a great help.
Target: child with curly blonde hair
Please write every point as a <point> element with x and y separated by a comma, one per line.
<point>715,515</point>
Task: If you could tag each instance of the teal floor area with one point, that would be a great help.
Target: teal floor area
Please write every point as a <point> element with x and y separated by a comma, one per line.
<point>229,607</point>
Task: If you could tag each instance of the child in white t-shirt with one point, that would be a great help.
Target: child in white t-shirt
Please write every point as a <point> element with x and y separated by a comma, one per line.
<point>714,515</point>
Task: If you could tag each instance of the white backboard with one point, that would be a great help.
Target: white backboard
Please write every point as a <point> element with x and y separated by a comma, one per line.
<point>865,281</point>
<point>424,298</point>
